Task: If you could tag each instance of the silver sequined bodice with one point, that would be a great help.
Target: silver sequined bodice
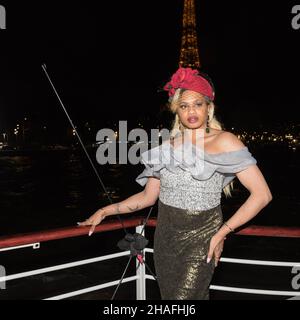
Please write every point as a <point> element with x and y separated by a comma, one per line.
<point>181,190</point>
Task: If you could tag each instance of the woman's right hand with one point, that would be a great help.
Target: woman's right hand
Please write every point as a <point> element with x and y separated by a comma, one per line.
<point>93,220</point>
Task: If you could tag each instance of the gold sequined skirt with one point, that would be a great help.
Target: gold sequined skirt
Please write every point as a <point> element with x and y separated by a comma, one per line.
<point>181,243</point>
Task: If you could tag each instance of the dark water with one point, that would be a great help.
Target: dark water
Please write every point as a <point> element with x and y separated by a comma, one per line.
<point>56,189</point>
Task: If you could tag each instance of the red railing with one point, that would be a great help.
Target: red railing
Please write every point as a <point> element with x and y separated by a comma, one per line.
<point>69,232</point>
<point>63,233</point>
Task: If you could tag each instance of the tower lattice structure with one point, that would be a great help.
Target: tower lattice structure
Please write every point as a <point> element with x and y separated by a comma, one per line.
<point>189,54</point>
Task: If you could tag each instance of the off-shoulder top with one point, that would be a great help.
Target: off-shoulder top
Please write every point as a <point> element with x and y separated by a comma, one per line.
<point>191,178</point>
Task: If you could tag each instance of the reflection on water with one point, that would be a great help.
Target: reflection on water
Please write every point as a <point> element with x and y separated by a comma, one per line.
<point>53,189</point>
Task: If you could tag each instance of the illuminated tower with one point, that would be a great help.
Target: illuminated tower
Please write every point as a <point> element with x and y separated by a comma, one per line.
<point>189,55</point>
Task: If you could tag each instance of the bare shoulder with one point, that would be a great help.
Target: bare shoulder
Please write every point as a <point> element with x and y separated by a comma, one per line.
<point>227,141</point>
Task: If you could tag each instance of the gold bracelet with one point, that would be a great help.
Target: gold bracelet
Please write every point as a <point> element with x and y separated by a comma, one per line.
<point>232,230</point>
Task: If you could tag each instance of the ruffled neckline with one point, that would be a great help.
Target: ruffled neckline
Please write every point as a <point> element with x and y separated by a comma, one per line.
<point>196,160</point>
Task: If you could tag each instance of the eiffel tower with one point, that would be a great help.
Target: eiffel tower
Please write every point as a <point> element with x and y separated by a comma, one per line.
<point>189,54</point>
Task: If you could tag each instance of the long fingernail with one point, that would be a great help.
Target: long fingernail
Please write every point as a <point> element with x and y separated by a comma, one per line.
<point>78,223</point>
<point>208,259</point>
<point>90,233</point>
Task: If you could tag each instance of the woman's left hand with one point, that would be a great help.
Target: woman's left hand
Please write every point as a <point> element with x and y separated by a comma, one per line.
<point>215,249</point>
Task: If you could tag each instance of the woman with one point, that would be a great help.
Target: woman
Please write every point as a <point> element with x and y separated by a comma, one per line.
<point>188,173</point>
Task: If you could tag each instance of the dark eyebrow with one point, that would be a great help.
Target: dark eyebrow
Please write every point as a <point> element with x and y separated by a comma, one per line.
<point>195,101</point>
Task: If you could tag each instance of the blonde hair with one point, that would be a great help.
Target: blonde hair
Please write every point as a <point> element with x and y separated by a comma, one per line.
<point>213,123</point>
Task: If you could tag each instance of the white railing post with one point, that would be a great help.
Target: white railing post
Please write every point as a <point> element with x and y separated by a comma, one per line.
<point>140,272</point>
<point>33,245</point>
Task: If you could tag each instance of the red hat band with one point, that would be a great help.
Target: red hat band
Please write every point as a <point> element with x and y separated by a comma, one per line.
<point>187,78</point>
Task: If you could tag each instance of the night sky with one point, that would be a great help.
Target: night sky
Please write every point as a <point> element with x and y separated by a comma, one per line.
<point>108,59</point>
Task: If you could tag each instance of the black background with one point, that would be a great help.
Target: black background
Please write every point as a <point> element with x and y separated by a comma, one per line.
<point>107,59</point>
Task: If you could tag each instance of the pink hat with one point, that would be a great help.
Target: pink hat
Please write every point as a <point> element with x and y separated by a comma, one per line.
<point>190,79</point>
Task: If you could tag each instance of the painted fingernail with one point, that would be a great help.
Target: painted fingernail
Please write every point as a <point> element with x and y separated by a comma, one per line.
<point>208,259</point>
<point>90,233</point>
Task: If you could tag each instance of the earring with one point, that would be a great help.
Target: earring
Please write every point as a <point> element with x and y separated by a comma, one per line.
<point>180,125</point>
<point>207,125</point>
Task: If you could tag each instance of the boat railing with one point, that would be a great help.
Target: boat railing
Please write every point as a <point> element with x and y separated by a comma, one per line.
<point>34,240</point>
